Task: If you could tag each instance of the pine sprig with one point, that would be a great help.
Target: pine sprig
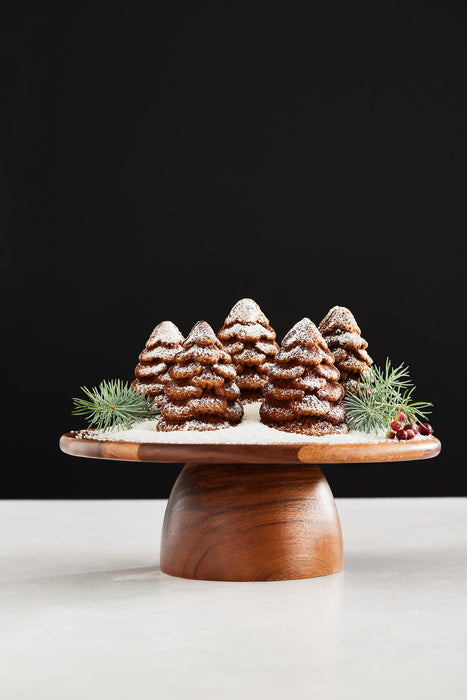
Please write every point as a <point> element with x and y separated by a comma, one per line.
<point>379,395</point>
<point>113,404</point>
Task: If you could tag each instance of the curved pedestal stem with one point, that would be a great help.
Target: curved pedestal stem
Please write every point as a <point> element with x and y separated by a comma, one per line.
<point>251,522</point>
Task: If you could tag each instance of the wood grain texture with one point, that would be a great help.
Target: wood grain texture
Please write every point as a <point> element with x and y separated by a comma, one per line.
<point>390,451</point>
<point>243,522</point>
<point>292,453</point>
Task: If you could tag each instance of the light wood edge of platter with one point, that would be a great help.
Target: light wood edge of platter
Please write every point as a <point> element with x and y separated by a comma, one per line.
<point>390,451</point>
<point>285,453</point>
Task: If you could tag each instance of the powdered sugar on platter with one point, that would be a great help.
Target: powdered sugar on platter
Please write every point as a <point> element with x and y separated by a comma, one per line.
<point>250,431</point>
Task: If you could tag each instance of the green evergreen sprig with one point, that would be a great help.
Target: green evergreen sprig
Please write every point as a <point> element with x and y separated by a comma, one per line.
<point>379,395</point>
<point>114,404</point>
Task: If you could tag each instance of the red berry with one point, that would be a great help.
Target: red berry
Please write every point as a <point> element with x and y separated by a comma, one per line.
<point>410,434</point>
<point>425,429</point>
<point>411,426</point>
<point>401,435</point>
<point>401,416</point>
<point>395,425</point>
<point>390,435</point>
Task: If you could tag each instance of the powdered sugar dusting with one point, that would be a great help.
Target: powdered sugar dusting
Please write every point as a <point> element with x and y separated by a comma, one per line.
<point>250,431</point>
<point>150,370</point>
<point>166,332</point>
<point>159,352</point>
<point>348,340</point>
<point>339,317</point>
<point>202,334</point>
<point>251,331</point>
<point>303,333</point>
<point>246,311</point>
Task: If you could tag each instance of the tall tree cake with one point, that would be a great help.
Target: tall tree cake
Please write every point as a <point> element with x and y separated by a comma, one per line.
<point>158,355</point>
<point>251,342</point>
<point>343,337</point>
<point>303,394</point>
<point>202,393</point>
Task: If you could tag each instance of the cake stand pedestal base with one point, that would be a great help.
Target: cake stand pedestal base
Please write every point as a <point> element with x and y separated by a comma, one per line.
<point>251,522</point>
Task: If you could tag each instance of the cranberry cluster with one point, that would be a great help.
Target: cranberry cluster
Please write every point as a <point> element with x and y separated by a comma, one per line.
<point>408,431</point>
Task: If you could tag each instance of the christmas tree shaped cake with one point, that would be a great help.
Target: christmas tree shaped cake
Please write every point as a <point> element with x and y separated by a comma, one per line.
<point>303,394</point>
<point>202,393</point>
<point>251,342</point>
<point>152,370</point>
<point>343,338</point>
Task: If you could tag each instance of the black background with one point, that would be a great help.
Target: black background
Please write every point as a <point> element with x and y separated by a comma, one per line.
<point>161,161</point>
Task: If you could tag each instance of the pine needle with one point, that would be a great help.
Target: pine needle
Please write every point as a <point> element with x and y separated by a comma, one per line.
<point>379,395</point>
<point>114,404</point>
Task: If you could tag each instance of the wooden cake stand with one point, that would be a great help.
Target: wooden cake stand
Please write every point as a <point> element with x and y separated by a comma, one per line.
<point>251,512</point>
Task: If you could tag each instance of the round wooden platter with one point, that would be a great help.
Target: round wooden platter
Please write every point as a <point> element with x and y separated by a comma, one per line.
<point>251,512</point>
<point>231,453</point>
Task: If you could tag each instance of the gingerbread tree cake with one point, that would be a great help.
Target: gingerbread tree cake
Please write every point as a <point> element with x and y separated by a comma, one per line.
<point>343,338</point>
<point>152,370</point>
<point>202,393</point>
<point>251,342</point>
<point>303,394</point>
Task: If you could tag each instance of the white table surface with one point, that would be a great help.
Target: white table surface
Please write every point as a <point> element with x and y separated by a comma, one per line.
<point>85,611</point>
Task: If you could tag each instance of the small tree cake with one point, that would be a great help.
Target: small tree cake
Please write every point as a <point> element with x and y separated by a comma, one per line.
<point>342,335</point>
<point>202,393</point>
<point>303,394</point>
<point>158,355</point>
<point>250,340</point>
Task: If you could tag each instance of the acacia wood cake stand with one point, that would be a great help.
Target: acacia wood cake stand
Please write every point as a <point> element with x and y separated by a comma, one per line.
<point>251,512</point>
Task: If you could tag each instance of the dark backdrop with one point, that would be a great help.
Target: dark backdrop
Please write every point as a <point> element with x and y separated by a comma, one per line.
<point>161,161</point>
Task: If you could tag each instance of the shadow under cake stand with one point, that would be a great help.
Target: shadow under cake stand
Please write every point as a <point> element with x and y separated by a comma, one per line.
<point>252,512</point>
